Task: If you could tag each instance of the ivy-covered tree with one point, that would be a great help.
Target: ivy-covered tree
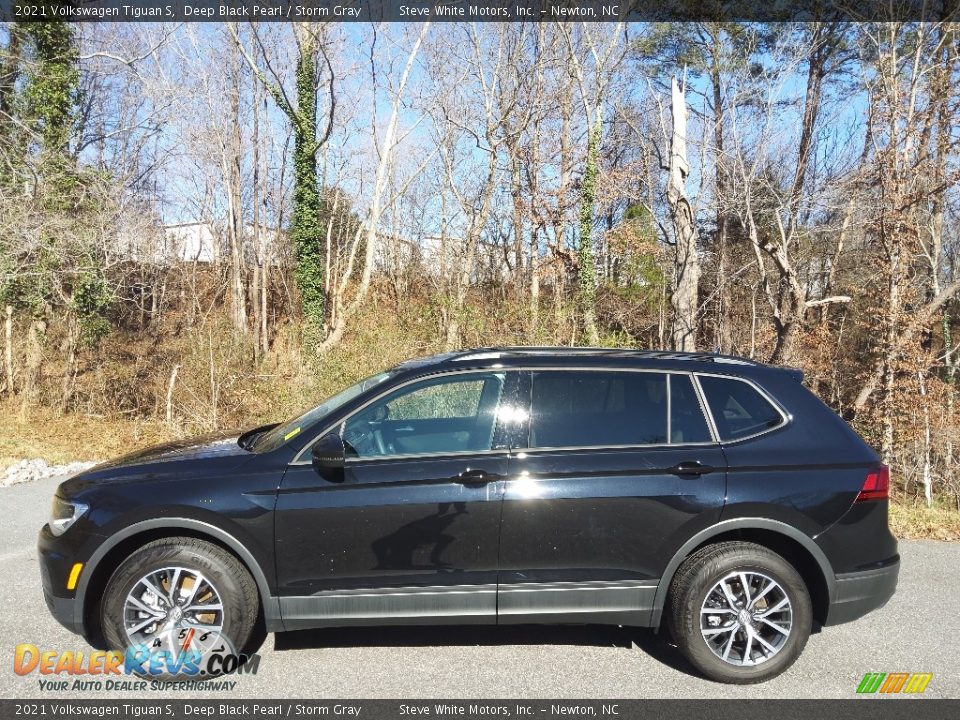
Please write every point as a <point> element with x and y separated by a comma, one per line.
<point>11,71</point>
<point>307,227</point>
<point>52,85</point>
<point>58,221</point>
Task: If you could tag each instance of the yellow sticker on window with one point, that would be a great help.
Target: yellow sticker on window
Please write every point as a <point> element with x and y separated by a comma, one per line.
<point>291,434</point>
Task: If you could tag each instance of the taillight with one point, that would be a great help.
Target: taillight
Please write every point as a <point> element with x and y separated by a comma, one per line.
<point>876,486</point>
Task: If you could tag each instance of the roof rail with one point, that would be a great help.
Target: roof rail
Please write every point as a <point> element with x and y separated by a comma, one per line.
<point>489,353</point>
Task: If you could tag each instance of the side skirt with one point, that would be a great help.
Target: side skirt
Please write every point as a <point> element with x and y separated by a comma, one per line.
<point>608,603</point>
<point>453,605</point>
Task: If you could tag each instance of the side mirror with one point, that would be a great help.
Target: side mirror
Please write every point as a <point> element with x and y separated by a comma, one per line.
<point>328,456</point>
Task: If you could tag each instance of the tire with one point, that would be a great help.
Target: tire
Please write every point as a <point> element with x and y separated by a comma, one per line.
<point>226,583</point>
<point>706,637</point>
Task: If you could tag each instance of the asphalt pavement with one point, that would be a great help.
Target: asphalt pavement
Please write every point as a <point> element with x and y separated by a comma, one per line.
<point>916,632</point>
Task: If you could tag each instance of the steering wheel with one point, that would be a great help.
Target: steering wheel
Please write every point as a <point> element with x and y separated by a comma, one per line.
<point>364,434</point>
<point>361,440</point>
<point>365,438</point>
<point>378,439</point>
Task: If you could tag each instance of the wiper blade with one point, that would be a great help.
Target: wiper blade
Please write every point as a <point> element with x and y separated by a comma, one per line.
<point>248,440</point>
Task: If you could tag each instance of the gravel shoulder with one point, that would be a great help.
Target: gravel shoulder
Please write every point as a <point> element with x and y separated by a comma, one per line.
<point>915,632</point>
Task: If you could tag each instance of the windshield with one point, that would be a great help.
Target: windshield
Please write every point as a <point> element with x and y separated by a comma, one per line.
<point>272,439</point>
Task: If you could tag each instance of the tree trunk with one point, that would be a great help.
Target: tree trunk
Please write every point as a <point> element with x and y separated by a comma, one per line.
<point>376,207</point>
<point>34,363</point>
<point>235,230</point>
<point>927,446</point>
<point>586,265</point>
<point>170,386</point>
<point>686,263</point>
<point>8,349</point>
<point>723,340</point>
<point>69,370</point>
<point>534,282</point>
<point>259,243</point>
<point>265,307</point>
<point>516,190</point>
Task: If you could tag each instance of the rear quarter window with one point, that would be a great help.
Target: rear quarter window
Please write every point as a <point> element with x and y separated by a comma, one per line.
<point>738,409</point>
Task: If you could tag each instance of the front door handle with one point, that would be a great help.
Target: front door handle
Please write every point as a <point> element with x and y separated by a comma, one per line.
<point>690,469</point>
<point>475,477</point>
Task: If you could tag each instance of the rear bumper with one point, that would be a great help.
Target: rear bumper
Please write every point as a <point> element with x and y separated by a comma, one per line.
<point>858,593</point>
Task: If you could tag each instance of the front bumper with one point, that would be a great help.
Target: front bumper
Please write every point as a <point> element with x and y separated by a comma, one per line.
<point>56,559</point>
<point>858,593</point>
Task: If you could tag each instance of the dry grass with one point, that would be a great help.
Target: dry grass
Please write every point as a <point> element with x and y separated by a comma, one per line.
<point>919,522</point>
<point>64,438</point>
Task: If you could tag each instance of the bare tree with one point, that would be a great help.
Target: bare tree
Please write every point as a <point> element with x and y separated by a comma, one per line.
<point>686,263</point>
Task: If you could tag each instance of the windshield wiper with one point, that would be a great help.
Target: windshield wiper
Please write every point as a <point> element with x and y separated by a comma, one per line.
<point>248,440</point>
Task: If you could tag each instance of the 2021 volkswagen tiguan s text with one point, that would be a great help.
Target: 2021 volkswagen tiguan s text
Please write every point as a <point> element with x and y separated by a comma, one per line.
<point>710,496</point>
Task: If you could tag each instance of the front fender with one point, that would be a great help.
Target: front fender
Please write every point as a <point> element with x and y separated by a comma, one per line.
<point>270,604</point>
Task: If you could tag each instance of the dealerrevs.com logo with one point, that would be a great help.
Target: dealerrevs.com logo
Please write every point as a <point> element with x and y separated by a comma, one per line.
<point>894,683</point>
<point>194,661</point>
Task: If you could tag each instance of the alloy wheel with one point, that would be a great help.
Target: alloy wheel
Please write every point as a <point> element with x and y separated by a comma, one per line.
<point>746,618</point>
<point>168,603</point>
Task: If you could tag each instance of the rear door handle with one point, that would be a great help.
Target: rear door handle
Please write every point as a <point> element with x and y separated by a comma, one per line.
<point>690,469</point>
<point>475,477</point>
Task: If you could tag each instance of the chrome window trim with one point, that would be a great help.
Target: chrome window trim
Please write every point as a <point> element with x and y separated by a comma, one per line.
<point>693,375</point>
<point>420,456</point>
<point>577,448</point>
<point>785,417</point>
<point>704,408</point>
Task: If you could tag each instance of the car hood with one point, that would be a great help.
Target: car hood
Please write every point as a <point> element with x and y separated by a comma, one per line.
<point>212,445</point>
<point>153,460</point>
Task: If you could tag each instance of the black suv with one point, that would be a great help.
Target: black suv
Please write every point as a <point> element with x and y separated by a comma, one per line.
<point>712,495</point>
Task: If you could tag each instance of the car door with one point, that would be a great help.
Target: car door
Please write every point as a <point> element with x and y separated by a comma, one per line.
<point>412,529</point>
<point>621,467</point>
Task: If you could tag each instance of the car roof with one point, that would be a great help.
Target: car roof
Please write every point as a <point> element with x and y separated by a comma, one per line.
<point>551,356</point>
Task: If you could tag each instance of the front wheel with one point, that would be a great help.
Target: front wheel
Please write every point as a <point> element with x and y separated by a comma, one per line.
<point>739,612</point>
<point>175,603</point>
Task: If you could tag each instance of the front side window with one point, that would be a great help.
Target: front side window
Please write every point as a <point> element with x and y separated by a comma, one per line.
<point>738,409</point>
<point>596,409</point>
<point>437,416</point>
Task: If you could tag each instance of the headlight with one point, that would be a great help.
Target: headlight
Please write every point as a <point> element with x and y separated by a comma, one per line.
<point>63,514</point>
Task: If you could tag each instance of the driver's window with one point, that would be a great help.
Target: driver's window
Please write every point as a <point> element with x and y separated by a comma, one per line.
<point>437,416</point>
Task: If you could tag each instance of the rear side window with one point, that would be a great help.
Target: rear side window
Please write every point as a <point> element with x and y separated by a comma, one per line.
<point>590,409</point>
<point>737,408</point>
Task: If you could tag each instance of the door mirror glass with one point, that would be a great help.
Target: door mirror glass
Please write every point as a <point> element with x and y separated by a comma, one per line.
<point>328,457</point>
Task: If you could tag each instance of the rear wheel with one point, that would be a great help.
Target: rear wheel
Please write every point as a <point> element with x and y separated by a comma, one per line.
<point>179,595</point>
<point>739,612</point>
